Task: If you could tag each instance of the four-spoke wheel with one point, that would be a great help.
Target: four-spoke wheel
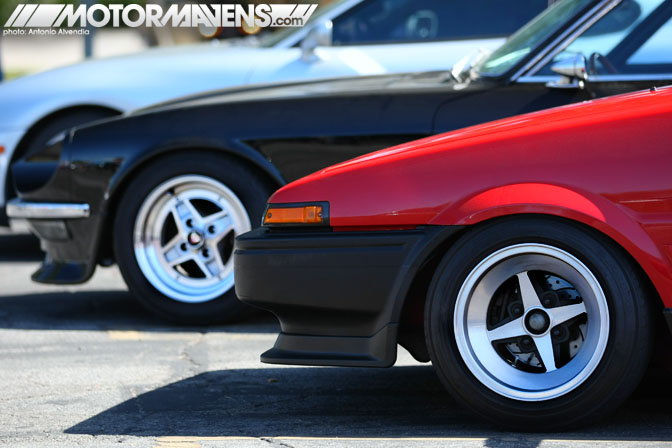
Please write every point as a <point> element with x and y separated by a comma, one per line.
<point>183,237</point>
<point>174,234</point>
<point>533,323</point>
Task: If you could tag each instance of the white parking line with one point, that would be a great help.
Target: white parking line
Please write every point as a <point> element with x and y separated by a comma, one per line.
<point>188,442</point>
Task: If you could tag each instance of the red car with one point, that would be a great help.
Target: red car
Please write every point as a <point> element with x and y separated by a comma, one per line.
<point>529,259</point>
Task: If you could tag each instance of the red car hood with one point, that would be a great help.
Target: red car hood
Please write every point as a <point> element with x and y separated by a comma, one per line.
<point>396,185</point>
<point>516,126</point>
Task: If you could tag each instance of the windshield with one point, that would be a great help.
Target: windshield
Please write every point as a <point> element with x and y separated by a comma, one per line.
<point>273,38</point>
<point>633,38</point>
<point>530,36</point>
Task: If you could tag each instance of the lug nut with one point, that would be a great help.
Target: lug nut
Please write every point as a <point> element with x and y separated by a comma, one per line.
<point>516,309</point>
<point>211,229</point>
<point>183,247</point>
<point>206,253</point>
<point>549,299</point>
<point>560,334</point>
<point>190,223</point>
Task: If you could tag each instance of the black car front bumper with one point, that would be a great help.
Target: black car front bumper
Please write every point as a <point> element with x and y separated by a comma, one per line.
<point>338,295</point>
<point>68,259</point>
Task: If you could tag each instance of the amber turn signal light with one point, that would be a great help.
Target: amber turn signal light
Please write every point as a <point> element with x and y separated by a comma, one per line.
<point>304,214</point>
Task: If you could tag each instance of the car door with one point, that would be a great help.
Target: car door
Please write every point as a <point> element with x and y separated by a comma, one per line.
<point>396,36</point>
<point>626,49</point>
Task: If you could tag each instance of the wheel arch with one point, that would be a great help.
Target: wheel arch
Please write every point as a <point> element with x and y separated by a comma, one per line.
<point>592,210</point>
<point>36,127</point>
<point>119,184</point>
<point>44,120</point>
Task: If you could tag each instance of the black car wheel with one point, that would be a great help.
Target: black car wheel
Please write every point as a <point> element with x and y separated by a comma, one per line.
<point>538,324</point>
<point>174,234</point>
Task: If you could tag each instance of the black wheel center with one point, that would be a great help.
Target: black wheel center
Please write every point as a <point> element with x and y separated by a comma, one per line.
<point>537,321</point>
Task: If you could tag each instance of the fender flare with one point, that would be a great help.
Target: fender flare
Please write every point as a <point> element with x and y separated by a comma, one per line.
<point>592,210</point>
<point>117,184</point>
<point>238,150</point>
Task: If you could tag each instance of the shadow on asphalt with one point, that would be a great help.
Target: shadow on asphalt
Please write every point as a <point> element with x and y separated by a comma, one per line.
<point>21,247</point>
<point>339,402</point>
<point>104,310</point>
<point>91,310</point>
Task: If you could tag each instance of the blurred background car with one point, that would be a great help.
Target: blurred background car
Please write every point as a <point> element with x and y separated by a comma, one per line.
<point>343,38</point>
<point>163,191</point>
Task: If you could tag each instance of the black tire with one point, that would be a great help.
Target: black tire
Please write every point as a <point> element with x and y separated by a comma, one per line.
<point>629,342</point>
<point>247,185</point>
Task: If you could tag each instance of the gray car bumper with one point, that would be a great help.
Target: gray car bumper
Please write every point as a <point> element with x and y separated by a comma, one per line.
<point>20,209</point>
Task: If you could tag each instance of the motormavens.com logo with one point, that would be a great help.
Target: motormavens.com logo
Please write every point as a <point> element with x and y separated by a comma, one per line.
<point>32,16</point>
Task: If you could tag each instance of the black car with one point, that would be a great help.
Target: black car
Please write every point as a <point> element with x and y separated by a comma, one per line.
<point>163,191</point>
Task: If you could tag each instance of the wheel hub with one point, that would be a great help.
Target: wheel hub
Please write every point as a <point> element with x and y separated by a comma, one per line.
<point>537,322</point>
<point>195,239</point>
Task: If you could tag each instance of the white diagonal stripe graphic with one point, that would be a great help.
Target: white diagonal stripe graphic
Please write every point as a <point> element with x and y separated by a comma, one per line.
<point>292,10</point>
<point>12,18</point>
<point>45,16</point>
<point>309,12</point>
<point>25,15</point>
<point>50,15</point>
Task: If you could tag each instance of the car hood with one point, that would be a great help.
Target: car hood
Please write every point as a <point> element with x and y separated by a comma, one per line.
<point>385,84</point>
<point>519,126</point>
<point>131,81</point>
<point>386,183</point>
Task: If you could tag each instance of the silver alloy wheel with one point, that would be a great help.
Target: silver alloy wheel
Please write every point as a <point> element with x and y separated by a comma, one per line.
<point>183,237</point>
<point>493,348</point>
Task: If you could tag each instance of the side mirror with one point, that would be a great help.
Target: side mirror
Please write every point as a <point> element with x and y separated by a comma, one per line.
<point>319,35</point>
<point>574,73</point>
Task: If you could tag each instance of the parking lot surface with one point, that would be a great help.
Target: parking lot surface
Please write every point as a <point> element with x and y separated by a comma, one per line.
<point>87,366</point>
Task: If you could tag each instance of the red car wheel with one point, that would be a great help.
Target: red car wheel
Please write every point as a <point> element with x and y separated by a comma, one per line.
<point>535,323</point>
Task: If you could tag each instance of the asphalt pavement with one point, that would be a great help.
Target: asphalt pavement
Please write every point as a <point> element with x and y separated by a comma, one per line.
<point>87,366</point>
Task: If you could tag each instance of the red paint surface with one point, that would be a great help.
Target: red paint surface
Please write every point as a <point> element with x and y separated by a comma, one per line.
<point>606,163</point>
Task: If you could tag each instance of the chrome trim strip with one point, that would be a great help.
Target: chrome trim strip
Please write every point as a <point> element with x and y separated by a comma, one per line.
<point>537,79</point>
<point>578,27</point>
<point>633,77</point>
<point>17,208</point>
<point>601,78</point>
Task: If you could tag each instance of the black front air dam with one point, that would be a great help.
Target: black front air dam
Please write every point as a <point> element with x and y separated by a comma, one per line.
<point>337,295</point>
<point>69,260</point>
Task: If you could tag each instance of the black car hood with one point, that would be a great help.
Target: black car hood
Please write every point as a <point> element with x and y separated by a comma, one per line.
<point>304,89</point>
